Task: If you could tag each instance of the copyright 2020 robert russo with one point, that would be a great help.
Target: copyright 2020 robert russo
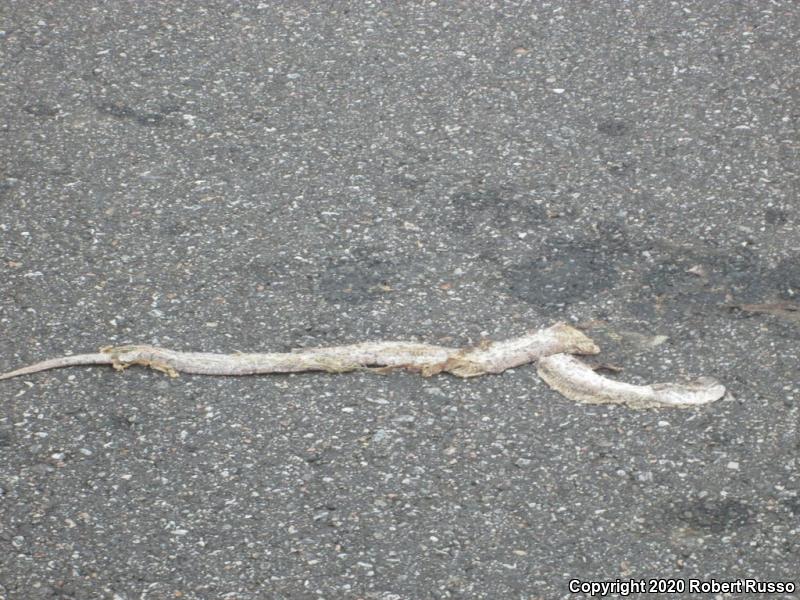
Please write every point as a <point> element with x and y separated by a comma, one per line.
<point>626,587</point>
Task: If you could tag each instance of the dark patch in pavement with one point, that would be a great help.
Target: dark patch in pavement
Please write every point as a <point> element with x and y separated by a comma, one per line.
<point>720,278</point>
<point>476,209</point>
<point>793,504</point>
<point>120,110</point>
<point>568,271</point>
<point>613,127</point>
<point>263,272</point>
<point>775,216</point>
<point>711,515</point>
<point>356,282</point>
<point>6,437</point>
<point>6,185</point>
<point>786,278</point>
<point>570,274</point>
<point>41,109</point>
<point>116,109</point>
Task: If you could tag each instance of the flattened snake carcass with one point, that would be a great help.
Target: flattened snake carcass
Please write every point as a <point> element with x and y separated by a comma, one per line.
<point>552,348</point>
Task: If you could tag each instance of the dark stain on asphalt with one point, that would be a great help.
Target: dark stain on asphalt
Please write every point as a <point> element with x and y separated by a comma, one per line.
<point>42,109</point>
<point>709,515</point>
<point>689,280</point>
<point>775,216</point>
<point>613,127</point>
<point>476,209</point>
<point>122,111</point>
<point>567,271</point>
<point>785,278</point>
<point>564,276</point>
<point>355,282</point>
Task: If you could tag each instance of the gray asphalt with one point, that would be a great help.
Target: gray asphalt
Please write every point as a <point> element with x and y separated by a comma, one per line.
<point>252,176</point>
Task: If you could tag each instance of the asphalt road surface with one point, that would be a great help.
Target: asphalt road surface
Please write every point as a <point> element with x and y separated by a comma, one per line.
<point>223,176</point>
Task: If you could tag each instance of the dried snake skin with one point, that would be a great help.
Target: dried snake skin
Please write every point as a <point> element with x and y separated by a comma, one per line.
<point>577,381</point>
<point>551,347</point>
<point>487,357</point>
